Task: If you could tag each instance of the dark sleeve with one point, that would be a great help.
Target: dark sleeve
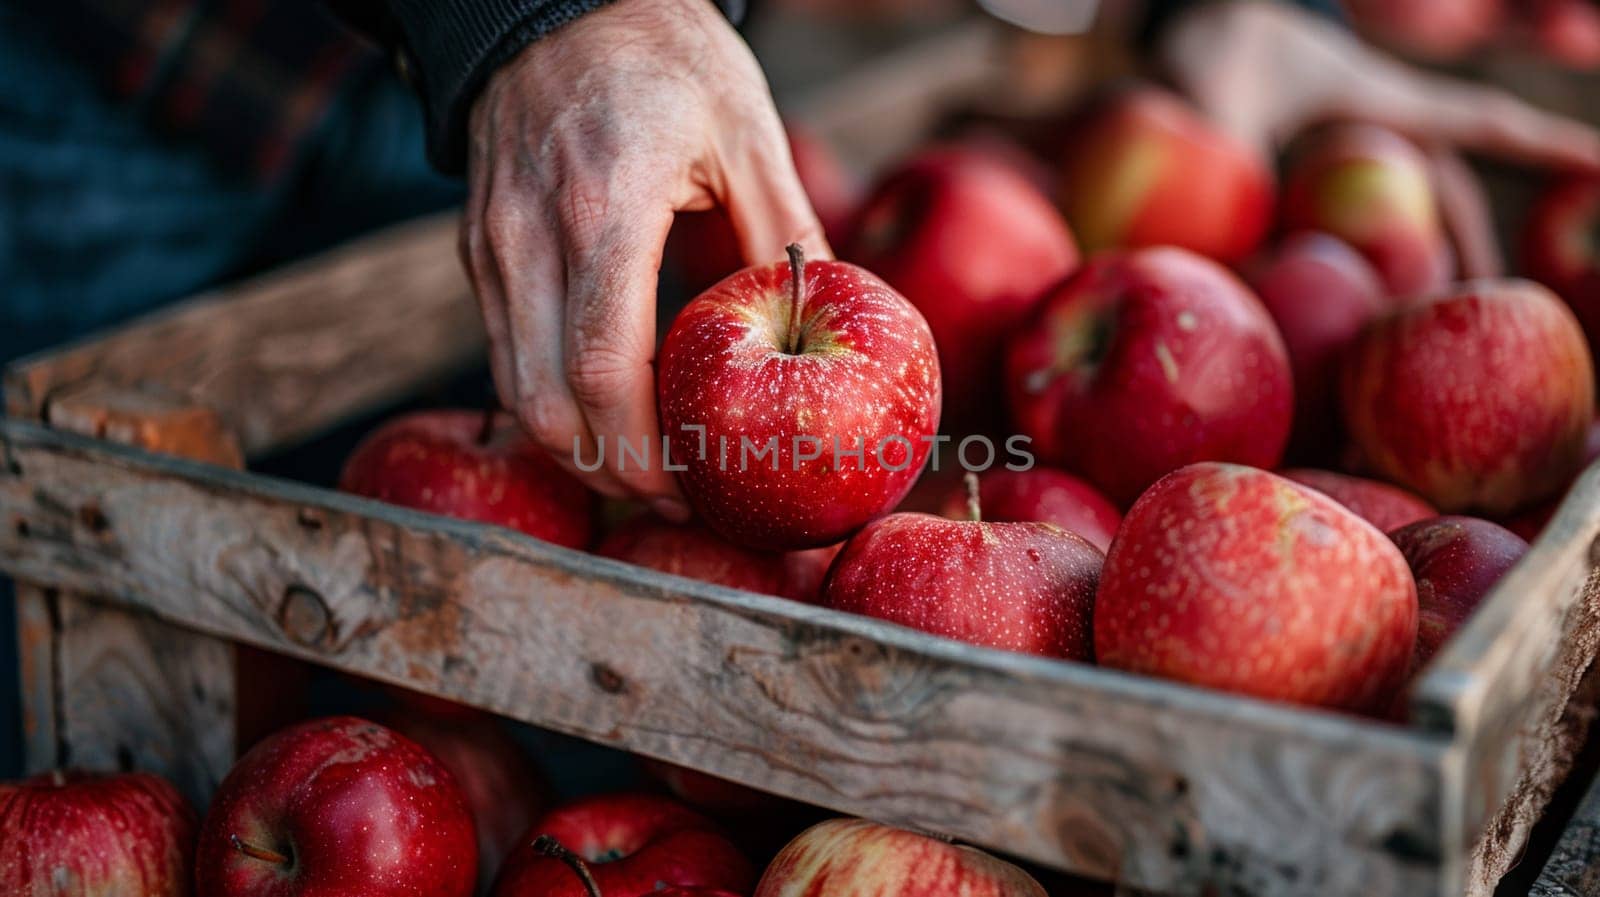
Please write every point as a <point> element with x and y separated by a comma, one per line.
<point>447,49</point>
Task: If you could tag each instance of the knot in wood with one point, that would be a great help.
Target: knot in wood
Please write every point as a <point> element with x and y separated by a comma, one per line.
<point>304,616</point>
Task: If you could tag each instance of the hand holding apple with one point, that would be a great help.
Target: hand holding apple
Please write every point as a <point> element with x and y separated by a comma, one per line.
<point>854,857</point>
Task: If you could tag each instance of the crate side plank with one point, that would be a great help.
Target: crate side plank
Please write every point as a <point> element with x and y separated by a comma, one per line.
<point>1162,786</point>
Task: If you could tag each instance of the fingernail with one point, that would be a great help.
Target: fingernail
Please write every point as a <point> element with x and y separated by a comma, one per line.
<point>671,508</point>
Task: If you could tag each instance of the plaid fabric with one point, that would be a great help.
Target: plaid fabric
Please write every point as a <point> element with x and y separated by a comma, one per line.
<point>249,78</point>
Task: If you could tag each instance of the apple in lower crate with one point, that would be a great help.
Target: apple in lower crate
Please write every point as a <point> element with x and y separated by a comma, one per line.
<point>1143,168</point>
<point>1025,587</point>
<point>1380,504</point>
<point>1373,189</point>
<point>80,833</point>
<point>501,787</point>
<point>801,398</point>
<point>1456,561</point>
<point>633,844</point>
<point>338,805</point>
<point>1241,580</point>
<point>1145,361</point>
<point>851,857</point>
<point>474,466</point>
<point>1478,398</point>
<point>974,245</point>
<point>1559,248</point>
<point>694,551</point>
<point>1320,292</point>
<point>1041,495</point>
<point>710,793</point>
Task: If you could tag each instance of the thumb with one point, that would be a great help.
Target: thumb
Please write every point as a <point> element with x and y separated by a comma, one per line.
<point>768,206</point>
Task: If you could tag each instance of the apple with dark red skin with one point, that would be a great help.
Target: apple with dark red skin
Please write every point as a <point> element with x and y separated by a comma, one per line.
<point>1560,248</point>
<point>1481,397</point>
<point>1041,495</point>
<point>1241,580</point>
<point>1025,587</point>
<point>769,381</point>
<point>1320,293</point>
<point>1568,31</point>
<point>1380,504</point>
<point>1433,29</point>
<point>79,833</point>
<point>1145,361</point>
<point>1143,168</point>
<point>805,571</point>
<point>857,857</point>
<point>1455,561</point>
<point>632,844</point>
<point>472,466</point>
<point>973,245</point>
<point>502,789</point>
<point>1373,189</point>
<point>693,551</point>
<point>337,806</point>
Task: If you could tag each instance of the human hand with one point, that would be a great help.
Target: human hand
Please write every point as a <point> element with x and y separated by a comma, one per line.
<point>580,150</point>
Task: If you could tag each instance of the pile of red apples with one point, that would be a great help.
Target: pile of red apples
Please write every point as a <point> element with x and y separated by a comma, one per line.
<point>1195,415</point>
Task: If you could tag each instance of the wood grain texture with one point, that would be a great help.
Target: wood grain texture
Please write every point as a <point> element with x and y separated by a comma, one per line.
<point>287,355</point>
<point>1573,869</point>
<point>1164,787</point>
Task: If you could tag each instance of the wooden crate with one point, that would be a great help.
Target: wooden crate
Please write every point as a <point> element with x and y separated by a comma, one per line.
<point>146,555</point>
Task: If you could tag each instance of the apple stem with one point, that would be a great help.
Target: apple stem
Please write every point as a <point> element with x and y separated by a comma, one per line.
<point>973,510</point>
<point>258,853</point>
<point>550,847</point>
<point>797,282</point>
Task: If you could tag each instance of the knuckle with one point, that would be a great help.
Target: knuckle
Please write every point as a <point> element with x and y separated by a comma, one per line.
<point>504,220</point>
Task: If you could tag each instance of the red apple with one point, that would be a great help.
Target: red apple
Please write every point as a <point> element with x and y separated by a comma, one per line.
<point>1568,31</point>
<point>693,551</point>
<point>1042,495</point>
<point>1145,361</point>
<point>804,572</point>
<point>472,466</point>
<point>1237,579</point>
<point>702,247</point>
<point>632,844</point>
<point>1559,248</point>
<point>855,857</point>
<point>1528,524</point>
<point>1144,169</point>
<point>500,785</point>
<point>1017,586</point>
<point>1380,504</point>
<point>1373,189</point>
<point>710,793</point>
<point>337,806</point>
<point>1320,292</point>
<point>801,400</point>
<point>64,834</point>
<point>974,246</point>
<point>1456,561</point>
<point>1477,398</point>
<point>1434,29</point>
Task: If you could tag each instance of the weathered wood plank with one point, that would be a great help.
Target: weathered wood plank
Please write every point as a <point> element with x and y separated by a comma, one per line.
<point>1573,869</point>
<point>1164,787</point>
<point>286,355</point>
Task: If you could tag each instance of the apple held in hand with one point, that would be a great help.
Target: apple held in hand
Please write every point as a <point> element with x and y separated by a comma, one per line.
<point>974,246</point>
<point>64,834</point>
<point>1039,495</point>
<point>801,400</point>
<point>1373,189</point>
<point>631,844</point>
<point>1561,251</point>
<point>851,857</point>
<point>1025,587</point>
<point>1144,169</point>
<point>1380,504</point>
<point>337,806</point>
<point>473,466</point>
<point>1240,580</point>
<point>1478,398</point>
<point>1456,561</point>
<point>1145,361</point>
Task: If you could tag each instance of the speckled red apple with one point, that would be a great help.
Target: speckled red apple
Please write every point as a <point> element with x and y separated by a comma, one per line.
<point>1238,579</point>
<point>693,551</point>
<point>805,571</point>
<point>1478,398</point>
<point>467,465</point>
<point>79,834</point>
<point>1039,495</point>
<point>1380,504</point>
<point>854,858</point>
<point>974,245</point>
<point>1456,561</point>
<point>787,369</point>
<point>1025,587</point>
<point>1145,361</point>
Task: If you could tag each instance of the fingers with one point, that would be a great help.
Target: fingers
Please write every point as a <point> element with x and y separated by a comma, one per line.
<point>1494,122</point>
<point>1467,216</point>
<point>473,248</point>
<point>766,202</point>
